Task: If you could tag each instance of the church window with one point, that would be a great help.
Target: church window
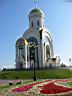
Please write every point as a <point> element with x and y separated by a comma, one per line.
<point>20,51</point>
<point>38,22</point>
<point>32,24</point>
<point>47,52</point>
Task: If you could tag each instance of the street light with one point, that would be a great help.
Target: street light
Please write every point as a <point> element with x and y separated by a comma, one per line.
<point>32,56</point>
<point>34,67</point>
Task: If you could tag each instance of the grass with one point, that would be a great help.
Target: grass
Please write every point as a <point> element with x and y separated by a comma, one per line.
<point>41,74</point>
<point>68,84</point>
<point>4,87</point>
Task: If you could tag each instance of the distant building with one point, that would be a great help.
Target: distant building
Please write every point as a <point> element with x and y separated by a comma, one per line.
<point>35,46</point>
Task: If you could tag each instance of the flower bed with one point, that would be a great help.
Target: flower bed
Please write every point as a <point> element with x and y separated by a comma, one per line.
<point>51,88</point>
<point>43,88</point>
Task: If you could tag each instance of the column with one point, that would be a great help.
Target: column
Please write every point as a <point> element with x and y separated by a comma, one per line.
<point>26,55</point>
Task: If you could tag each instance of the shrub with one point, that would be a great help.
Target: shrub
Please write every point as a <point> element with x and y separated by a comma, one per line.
<point>10,83</point>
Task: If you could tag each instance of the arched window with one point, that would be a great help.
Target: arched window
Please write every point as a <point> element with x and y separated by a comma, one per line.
<point>38,22</point>
<point>47,52</point>
<point>32,24</point>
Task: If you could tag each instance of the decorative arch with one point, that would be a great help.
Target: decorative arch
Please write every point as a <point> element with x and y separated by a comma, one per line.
<point>50,45</point>
<point>34,52</point>
<point>20,50</point>
<point>47,52</point>
<point>33,39</point>
<point>20,41</point>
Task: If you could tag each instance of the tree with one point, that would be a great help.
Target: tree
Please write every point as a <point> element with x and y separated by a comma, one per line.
<point>70,61</point>
<point>63,65</point>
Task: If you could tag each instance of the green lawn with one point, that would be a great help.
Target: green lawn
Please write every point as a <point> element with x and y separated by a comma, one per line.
<point>41,74</point>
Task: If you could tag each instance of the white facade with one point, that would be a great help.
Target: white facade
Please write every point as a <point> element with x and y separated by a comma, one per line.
<point>35,47</point>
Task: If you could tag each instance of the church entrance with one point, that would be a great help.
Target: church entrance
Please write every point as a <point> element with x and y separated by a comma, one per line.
<point>34,57</point>
<point>33,52</point>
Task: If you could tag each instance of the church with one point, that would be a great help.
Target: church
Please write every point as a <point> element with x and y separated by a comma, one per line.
<point>35,47</point>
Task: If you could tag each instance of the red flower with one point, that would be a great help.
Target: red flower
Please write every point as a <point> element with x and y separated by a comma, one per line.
<point>51,88</point>
<point>25,87</point>
<point>22,88</point>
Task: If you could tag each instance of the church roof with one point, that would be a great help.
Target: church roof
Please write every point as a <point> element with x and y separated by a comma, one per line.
<point>36,10</point>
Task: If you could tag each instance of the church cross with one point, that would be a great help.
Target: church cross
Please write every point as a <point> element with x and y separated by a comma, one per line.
<point>35,3</point>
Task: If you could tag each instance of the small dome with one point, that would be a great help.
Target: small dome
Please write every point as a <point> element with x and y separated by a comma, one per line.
<point>21,41</point>
<point>36,10</point>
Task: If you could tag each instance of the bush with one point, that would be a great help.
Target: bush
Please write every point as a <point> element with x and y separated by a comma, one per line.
<point>10,83</point>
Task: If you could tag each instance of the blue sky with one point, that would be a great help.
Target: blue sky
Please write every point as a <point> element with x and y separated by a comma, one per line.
<point>14,21</point>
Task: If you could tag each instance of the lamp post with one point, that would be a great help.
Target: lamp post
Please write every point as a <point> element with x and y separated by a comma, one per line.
<point>32,53</point>
<point>34,67</point>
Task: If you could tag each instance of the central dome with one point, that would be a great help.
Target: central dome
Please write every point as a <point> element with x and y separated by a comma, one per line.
<point>36,10</point>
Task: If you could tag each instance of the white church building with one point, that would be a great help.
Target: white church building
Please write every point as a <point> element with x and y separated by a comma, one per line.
<point>35,47</point>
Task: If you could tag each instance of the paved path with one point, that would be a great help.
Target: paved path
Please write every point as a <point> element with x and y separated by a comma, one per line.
<point>8,81</point>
